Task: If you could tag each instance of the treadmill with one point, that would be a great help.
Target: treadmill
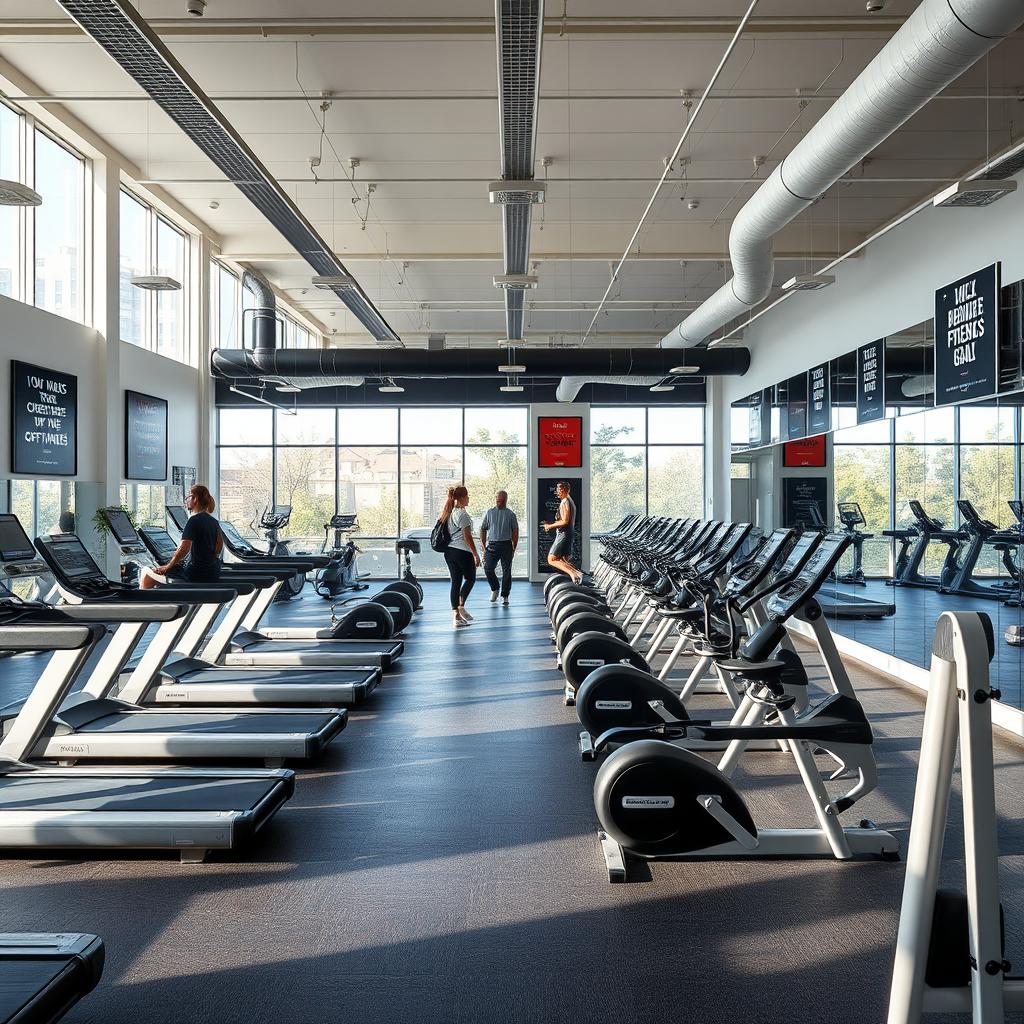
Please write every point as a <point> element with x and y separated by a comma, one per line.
<point>249,646</point>
<point>188,810</point>
<point>169,673</point>
<point>43,975</point>
<point>90,725</point>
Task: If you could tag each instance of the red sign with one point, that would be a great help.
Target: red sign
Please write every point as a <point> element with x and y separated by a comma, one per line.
<point>809,452</point>
<point>560,442</point>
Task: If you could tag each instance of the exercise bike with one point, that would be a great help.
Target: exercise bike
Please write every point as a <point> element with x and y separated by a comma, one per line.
<point>272,521</point>
<point>342,574</point>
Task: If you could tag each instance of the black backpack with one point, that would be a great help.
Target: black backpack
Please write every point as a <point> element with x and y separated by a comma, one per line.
<point>440,535</point>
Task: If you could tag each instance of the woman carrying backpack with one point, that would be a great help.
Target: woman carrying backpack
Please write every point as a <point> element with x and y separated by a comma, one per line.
<point>459,553</point>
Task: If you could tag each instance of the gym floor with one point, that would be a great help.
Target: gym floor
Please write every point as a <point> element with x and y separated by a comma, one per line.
<point>441,865</point>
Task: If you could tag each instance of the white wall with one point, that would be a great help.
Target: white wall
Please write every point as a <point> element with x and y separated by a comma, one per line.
<point>889,287</point>
<point>44,339</point>
<point>38,337</point>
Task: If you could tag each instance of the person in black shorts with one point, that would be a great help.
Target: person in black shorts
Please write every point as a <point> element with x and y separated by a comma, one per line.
<point>197,559</point>
<point>565,528</point>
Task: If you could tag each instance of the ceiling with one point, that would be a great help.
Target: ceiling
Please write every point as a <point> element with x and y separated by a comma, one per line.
<point>412,88</point>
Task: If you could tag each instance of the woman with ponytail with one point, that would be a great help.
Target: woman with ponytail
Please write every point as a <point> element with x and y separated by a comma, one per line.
<point>461,554</point>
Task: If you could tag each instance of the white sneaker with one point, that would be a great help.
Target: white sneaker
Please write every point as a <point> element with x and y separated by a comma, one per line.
<point>458,623</point>
<point>494,596</point>
<point>504,601</point>
<point>463,614</point>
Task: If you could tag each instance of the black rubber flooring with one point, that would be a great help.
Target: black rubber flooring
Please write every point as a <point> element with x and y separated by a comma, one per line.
<point>441,865</point>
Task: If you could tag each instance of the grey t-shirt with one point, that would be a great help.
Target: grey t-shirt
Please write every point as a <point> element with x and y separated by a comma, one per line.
<point>500,524</point>
<point>457,521</point>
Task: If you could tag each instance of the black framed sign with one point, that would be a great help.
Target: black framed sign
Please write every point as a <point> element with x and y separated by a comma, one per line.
<point>44,421</point>
<point>800,492</point>
<point>967,337</point>
<point>145,437</point>
<point>547,512</point>
<point>819,400</point>
<point>796,406</point>
<point>871,381</point>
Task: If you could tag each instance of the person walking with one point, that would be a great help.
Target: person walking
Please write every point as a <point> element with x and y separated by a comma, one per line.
<point>499,537</point>
<point>565,529</point>
<point>461,554</point>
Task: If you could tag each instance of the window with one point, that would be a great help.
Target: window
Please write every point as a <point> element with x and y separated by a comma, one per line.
<point>391,467</point>
<point>146,502</point>
<point>150,245</point>
<point>647,461</point>
<point>58,228</point>
<point>225,296</point>
<point>10,222</point>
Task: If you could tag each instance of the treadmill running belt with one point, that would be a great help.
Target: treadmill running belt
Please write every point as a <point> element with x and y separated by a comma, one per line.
<point>155,721</point>
<point>278,676</point>
<point>110,793</point>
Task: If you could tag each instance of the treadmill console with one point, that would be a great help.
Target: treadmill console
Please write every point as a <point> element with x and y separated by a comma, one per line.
<point>922,518</point>
<point>177,515</point>
<point>123,532</point>
<point>237,543</point>
<point>850,514</point>
<point>159,543</point>
<point>74,567</point>
<point>16,551</point>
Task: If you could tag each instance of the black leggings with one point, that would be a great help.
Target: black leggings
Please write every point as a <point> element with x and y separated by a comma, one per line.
<point>462,570</point>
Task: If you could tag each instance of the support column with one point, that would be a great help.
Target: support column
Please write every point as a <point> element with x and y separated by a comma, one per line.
<point>207,467</point>
<point>106,313</point>
<point>717,451</point>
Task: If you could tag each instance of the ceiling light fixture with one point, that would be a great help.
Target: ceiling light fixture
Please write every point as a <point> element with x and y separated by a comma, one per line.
<point>515,282</point>
<point>808,282</point>
<point>516,193</point>
<point>510,387</point>
<point>681,371</point>
<point>13,193</point>
<point>661,387</point>
<point>335,282</point>
<point>982,192</point>
<point>389,387</point>
<point>512,368</point>
<point>156,283</point>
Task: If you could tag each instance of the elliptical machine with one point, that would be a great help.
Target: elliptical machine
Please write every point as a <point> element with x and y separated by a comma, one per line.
<point>852,519</point>
<point>272,521</point>
<point>343,572</point>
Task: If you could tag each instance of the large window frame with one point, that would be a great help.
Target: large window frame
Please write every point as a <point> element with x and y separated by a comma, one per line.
<point>66,297</point>
<point>401,446</point>
<point>155,306</point>
<point>647,447</point>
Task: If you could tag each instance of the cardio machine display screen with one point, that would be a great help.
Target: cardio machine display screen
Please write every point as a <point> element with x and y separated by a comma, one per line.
<point>177,515</point>
<point>121,527</point>
<point>233,537</point>
<point>72,559</point>
<point>163,546</point>
<point>14,543</point>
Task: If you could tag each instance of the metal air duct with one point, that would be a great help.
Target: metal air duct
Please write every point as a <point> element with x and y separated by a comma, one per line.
<point>937,43</point>
<point>120,30</point>
<point>264,313</point>
<point>519,30</point>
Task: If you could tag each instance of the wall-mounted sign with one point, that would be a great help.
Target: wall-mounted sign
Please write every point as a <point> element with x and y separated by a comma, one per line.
<point>145,437</point>
<point>967,337</point>
<point>871,381</point>
<point>560,442</point>
<point>547,512</point>
<point>796,406</point>
<point>799,493</point>
<point>819,400</point>
<point>809,452</point>
<point>44,421</point>
<point>758,418</point>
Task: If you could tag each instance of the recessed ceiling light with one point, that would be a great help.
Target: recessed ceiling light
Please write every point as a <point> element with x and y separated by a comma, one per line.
<point>662,387</point>
<point>512,368</point>
<point>808,282</point>
<point>679,371</point>
<point>13,193</point>
<point>511,387</point>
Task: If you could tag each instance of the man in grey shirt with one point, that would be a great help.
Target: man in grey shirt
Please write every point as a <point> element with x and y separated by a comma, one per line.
<point>499,537</point>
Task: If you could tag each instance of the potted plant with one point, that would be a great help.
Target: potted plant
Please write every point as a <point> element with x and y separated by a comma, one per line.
<point>129,571</point>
